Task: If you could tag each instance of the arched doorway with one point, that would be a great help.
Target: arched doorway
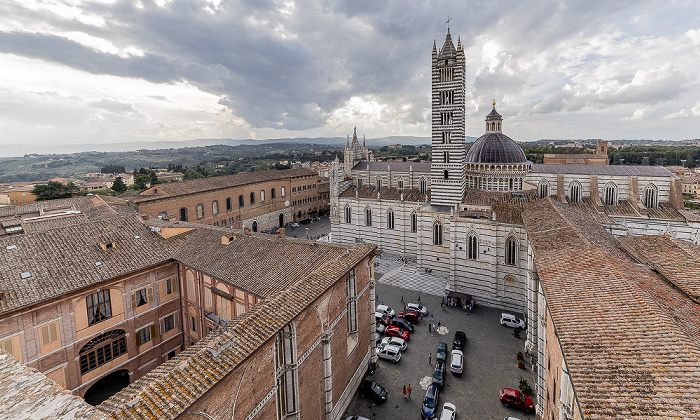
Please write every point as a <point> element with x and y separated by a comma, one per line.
<point>255,226</point>
<point>299,215</point>
<point>107,386</point>
<point>281,220</point>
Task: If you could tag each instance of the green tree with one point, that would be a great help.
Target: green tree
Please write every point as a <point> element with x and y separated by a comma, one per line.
<point>54,190</point>
<point>119,186</point>
<point>141,182</point>
<point>191,174</point>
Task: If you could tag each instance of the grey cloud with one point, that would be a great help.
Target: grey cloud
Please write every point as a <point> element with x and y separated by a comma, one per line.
<point>118,107</point>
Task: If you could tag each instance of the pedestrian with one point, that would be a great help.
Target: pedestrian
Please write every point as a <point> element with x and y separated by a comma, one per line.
<point>404,392</point>
<point>430,358</point>
<point>402,301</point>
<point>430,327</point>
<point>409,389</point>
<point>438,325</point>
<point>431,317</point>
<point>419,299</point>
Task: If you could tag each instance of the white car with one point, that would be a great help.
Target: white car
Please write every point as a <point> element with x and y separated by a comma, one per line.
<point>389,352</point>
<point>457,365</point>
<point>448,412</point>
<point>512,321</point>
<point>418,308</point>
<point>383,309</point>
<point>511,418</point>
<point>295,225</point>
<point>395,341</point>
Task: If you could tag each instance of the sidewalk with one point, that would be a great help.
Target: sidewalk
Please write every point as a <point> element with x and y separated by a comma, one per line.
<point>389,269</point>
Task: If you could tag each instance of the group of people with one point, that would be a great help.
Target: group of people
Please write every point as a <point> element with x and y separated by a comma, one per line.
<point>407,391</point>
<point>451,301</point>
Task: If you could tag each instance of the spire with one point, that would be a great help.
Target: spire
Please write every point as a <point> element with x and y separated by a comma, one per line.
<point>354,134</point>
<point>347,142</point>
<point>434,49</point>
<point>459,43</point>
<point>364,139</point>
<point>448,49</point>
<point>494,120</point>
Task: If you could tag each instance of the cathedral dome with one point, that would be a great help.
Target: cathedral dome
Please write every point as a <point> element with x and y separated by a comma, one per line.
<point>495,148</point>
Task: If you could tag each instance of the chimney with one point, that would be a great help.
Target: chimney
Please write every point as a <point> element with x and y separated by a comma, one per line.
<point>227,239</point>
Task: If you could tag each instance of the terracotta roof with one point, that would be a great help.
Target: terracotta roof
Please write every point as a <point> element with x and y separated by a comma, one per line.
<point>208,184</point>
<point>615,170</point>
<point>631,340</point>
<point>168,390</point>
<point>409,194</point>
<point>29,394</point>
<point>423,167</point>
<point>94,206</point>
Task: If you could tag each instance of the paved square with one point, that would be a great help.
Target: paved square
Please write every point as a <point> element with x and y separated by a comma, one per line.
<point>490,363</point>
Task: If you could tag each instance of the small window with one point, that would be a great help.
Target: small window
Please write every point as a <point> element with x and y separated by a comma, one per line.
<point>423,186</point>
<point>273,194</point>
<point>414,222</point>
<point>390,219</point>
<point>252,198</point>
<point>472,247</point>
<point>240,201</point>
<point>183,214</point>
<point>215,207</point>
<point>368,216</point>
<point>348,215</point>
<point>142,297</point>
<point>445,174</point>
<point>169,323</point>
<point>283,191</point>
<point>99,307</point>
<point>262,195</point>
<point>399,183</point>
<point>200,211</point>
<point>48,333</point>
<point>379,184</point>
<point>437,233</point>
<point>294,190</point>
<point>193,323</point>
<point>511,251</point>
<point>144,335</point>
<point>229,204</point>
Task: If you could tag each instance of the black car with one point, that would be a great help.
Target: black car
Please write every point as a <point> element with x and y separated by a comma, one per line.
<point>441,351</point>
<point>373,390</point>
<point>403,323</point>
<point>439,373</point>
<point>460,341</point>
<point>430,404</point>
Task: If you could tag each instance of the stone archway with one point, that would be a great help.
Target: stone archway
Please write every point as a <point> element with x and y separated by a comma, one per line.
<point>107,386</point>
<point>255,226</point>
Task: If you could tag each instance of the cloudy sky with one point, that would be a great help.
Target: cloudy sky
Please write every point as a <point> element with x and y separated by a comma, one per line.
<point>74,72</point>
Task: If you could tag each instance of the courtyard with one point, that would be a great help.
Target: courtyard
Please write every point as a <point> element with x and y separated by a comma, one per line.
<point>490,362</point>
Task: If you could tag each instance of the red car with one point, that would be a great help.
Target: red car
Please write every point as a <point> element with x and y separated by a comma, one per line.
<point>514,398</point>
<point>410,315</point>
<point>384,320</point>
<point>395,331</point>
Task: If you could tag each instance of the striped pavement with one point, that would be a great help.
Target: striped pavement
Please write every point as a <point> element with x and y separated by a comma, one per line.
<point>395,272</point>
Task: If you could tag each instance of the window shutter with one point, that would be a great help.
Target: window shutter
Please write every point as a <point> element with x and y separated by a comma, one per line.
<point>162,288</point>
<point>138,338</point>
<point>175,284</point>
<point>176,320</point>
<point>162,324</point>
<point>149,294</point>
<point>133,301</point>
<point>7,346</point>
<point>44,331</point>
<point>53,332</point>
<point>153,331</point>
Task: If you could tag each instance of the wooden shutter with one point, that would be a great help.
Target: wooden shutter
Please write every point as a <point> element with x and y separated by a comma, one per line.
<point>174,283</point>
<point>44,335</point>
<point>162,288</point>
<point>176,319</point>
<point>7,346</point>
<point>53,332</point>
<point>138,338</point>
<point>149,294</point>
<point>133,301</point>
<point>153,331</point>
<point>162,324</point>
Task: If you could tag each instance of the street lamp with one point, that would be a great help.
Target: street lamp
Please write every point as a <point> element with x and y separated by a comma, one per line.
<point>307,233</point>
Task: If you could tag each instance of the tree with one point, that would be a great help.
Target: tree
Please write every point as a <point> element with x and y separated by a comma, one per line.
<point>113,169</point>
<point>54,190</point>
<point>141,182</point>
<point>191,174</point>
<point>119,186</point>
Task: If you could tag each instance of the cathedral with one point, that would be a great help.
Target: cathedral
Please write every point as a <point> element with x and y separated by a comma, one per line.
<point>461,213</point>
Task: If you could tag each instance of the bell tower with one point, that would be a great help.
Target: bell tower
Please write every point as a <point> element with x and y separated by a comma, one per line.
<point>447,173</point>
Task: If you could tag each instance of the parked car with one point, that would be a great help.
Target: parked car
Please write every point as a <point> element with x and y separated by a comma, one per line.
<point>356,418</point>
<point>460,341</point>
<point>389,352</point>
<point>373,390</point>
<point>395,331</point>
<point>410,315</point>
<point>439,373</point>
<point>386,310</point>
<point>403,323</point>
<point>395,341</point>
<point>418,308</point>
<point>380,328</point>
<point>430,402</point>
<point>513,398</point>
<point>295,225</point>
<point>448,412</point>
<point>457,365</point>
<point>510,418</point>
<point>441,351</point>
<point>512,321</point>
<point>382,318</point>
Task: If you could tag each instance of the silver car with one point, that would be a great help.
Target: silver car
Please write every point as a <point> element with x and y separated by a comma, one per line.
<point>395,341</point>
<point>389,352</point>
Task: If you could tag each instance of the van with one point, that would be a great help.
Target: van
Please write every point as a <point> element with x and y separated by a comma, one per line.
<point>512,321</point>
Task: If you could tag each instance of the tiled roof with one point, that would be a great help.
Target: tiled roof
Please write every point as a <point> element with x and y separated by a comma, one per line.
<point>208,184</point>
<point>630,339</point>
<point>409,194</point>
<point>29,394</point>
<point>423,167</point>
<point>261,264</point>
<point>93,206</point>
<point>614,170</point>
<point>168,390</point>
<point>66,259</point>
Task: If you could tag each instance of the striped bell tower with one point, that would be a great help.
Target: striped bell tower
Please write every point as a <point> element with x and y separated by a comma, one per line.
<point>447,173</point>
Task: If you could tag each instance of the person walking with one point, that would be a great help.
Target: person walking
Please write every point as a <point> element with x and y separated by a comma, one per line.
<point>403,302</point>
<point>404,392</point>
<point>409,389</point>
<point>430,358</point>
<point>430,327</point>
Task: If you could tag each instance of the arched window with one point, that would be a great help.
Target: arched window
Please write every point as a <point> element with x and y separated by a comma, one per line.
<point>472,247</point>
<point>423,185</point>
<point>368,216</point>
<point>390,219</point>
<point>414,222</point>
<point>214,207</point>
<point>651,196</point>
<point>229,204</point>
<point>348,215</point>
<point>610,194</point>
<point>543,189</point>
<point>437,233</point>
<point>575,192</point>
<point>200,211</point>
<point>286,372</point>
<point>359,183</point>
<point>446,157</point>
<point>240,201</point>
<point>379,183</point>
<point>101,350</point>
<point>445,174</point>
<point>262,195</point>
<point>283,191</point>
<point>183,214</point>
<point>273,194</point>
<point>255,226</point>
<point>399,183</point>
<point>252,198</point>
<point>511,251</point>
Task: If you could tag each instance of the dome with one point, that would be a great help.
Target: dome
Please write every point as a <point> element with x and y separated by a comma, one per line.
<point>495,148</point>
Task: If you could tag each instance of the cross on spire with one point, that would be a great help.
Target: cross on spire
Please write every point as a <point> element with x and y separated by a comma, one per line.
<point>448,21</point>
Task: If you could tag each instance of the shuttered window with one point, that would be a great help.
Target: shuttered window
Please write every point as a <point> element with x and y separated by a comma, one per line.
<point>144,335</point>
<point>142,297</point>
<point>48,333</point>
